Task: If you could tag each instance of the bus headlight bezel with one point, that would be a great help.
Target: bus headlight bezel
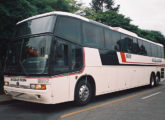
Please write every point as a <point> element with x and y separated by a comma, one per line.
<point>38,86</point>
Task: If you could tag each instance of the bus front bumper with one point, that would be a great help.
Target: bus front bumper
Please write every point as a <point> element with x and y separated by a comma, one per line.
<point>30,95</point>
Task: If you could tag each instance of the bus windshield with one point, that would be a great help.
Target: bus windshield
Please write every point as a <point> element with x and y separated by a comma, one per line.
<point>28,56</point>
<point>35,26</point>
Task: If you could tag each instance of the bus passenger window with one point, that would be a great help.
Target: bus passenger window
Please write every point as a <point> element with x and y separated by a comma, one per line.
<point>126,44</point>
<point>68,28</point>
<point>135,46</point>
<point>162,52</point>
<point>115,42</point>
<point>140,43</point>
<point>154,50</point>
<point>60,60</point>
<point>93,35</point>
<point>77,58</point>
<point>159,51</point>
<point>147,46</point>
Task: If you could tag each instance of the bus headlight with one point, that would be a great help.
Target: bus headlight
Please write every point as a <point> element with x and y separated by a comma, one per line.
<point>38,86</point>
<point>6,83</point>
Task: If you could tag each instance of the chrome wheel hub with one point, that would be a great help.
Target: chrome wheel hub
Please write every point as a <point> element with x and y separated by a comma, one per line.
<point>152,82</point>
<point>157,79</point>
<point>84,93</point>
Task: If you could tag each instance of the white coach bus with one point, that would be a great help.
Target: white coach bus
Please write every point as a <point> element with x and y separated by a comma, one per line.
<point>58,57</point>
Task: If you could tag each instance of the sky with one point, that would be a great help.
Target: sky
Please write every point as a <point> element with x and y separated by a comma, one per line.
<point>147,14</point>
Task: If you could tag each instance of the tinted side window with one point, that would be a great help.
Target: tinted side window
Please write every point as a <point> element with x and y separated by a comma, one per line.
<point>77,58</point>
<point>147,48</point>
<point>93,35</point>
<point>108,57</point>
<point>108,38</point>
<point>60,62</point>
<point>159,52</point>
<point>126,43</point>
<point>69,29</point>
<point>135,46</point>
<point>141,47</point>
<point>162,52</point>
<point>109,43</point>
<point>157,49</point>
<point>154,50</point>
<point>116,41</point>
<point>67,57</point>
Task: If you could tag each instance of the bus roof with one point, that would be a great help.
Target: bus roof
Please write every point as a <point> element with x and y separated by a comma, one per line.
<point>121,30</point>
<point>55,13</point>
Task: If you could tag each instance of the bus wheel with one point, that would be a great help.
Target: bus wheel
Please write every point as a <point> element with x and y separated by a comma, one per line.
<point>157,80</point>
<point>152,81</point>
<point>83,93</point>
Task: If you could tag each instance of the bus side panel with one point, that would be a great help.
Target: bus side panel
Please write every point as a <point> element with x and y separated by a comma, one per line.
<point>101,79</point>
<point>72,87</point>
<point>147,73</point>
<point>94,68</point>
<point>60,89</point>
<point>112,76</point>
<point>100,76</point>
<point>125,77</point>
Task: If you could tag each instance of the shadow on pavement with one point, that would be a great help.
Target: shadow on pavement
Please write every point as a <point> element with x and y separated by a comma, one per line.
<point>44,108</point>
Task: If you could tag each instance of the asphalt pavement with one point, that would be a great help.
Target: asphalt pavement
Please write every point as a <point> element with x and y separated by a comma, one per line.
<point>142,103</point>
<point>4,98</point>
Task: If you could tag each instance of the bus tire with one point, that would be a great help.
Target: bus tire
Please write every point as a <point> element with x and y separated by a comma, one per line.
<point>152,81</point>
<point>83,93</point>
<point>157,80</point>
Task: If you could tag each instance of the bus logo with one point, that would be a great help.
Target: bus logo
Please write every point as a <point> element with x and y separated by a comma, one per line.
<point>128,56</point>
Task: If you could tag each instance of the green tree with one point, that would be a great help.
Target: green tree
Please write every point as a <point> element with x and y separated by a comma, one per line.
<point>58,5</point>
<point>100,5</point>
<point>152,35</point>
<point>112,18</point>
<point>12,11</point>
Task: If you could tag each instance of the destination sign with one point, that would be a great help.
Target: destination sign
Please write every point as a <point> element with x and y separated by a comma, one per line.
<point>18,79</point>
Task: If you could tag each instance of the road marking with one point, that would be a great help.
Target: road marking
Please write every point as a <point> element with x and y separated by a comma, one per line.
<point>108,103</point>
<point>150,95</point>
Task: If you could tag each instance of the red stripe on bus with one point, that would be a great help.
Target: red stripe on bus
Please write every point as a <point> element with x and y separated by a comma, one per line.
<point>144,63</point>
<point>125,61</point>
<point>141,63</point>
<point>115,29</point>
<point>123,57</point>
